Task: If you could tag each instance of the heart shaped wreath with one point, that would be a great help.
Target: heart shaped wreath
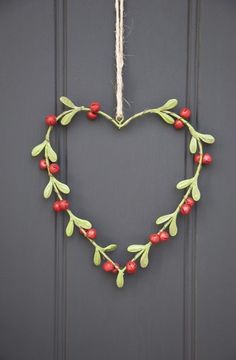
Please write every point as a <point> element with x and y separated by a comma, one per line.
<point>168,222</point>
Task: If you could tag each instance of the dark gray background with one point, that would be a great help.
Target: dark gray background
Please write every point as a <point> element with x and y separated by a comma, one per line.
<point>54,304</point>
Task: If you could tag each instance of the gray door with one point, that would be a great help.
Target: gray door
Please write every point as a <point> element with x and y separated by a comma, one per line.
<point>54,304</point>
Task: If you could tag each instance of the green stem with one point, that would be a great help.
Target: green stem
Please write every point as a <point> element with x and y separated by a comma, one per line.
<point>118,124</point>
<point>64,113</point>
<point>176,116</point>
<point>145,112</point>
<point>105,115</point>
<point>100,249</point>
<point>48,133</point>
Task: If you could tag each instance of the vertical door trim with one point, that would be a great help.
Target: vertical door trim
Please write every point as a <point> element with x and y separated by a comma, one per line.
<point>60,46</point>
<point>192,79</point>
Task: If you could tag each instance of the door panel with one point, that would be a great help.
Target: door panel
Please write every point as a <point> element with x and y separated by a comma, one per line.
<point>215,245</point>
<point>27,226</point>
<point>124,181</point>
<point>55,304</point>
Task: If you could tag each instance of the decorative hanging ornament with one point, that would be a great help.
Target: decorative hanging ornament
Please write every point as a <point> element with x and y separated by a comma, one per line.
<point>168,223</point>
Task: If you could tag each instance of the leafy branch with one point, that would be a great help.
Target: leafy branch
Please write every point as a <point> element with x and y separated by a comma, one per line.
<point>74,221</point>
<point>170,220</point>
<point>142,252</point>
<point>191,184</point>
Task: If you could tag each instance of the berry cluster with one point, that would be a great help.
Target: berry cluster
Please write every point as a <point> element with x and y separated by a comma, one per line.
<point>131,267</point>
<point>53,168</point>
<point>61,205</point>
<point>155,238</point>
<point>186,208</point>
<point>94,109</point>
<point>184,113</point>
<point>206,159</point>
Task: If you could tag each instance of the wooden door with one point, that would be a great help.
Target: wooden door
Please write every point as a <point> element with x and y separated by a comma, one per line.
<point>55,305</point>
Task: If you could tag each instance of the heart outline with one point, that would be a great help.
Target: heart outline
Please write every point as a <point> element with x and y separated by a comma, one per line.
<point>169,220</point>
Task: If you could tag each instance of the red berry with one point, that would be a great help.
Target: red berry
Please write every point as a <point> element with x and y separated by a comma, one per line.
<point>43,164</point>
<point>64,205</point>
<point>164,235</point>
<point>91,115</point>
<point>92,233</point>
<point>51,120</point>
<point>131,267</point>
<point>108,266</point>
<point>154,238</point>
<point>57,206</point>
<point>197,158</point>
<point>54,168</point>
<point>185,113</point>
<point>178,124</point>
<point>207,159</point>
<point>189,201</point>
<point>115,269</point>
<point>185,209</point>
<point>95,107</point>
<point>82,231</point>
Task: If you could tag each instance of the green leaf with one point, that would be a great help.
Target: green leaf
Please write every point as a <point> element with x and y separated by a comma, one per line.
<point>51,153</point>
<point>38,148</point>
<point>63,113</point>
<point>193,145</point>
<point>70,227</point>
<point>110,247</point>
<point>193,132</point>
<point>97,257</point>
<point>67,102</point>
<point>61,186</point>
<point>184,183</point>
<point>163,218</point>
<point>67,118</point>
<point>144,258</point>
<point>196,192</point>
<point>85,224</point>
<point>135,248</point>
<point>209,139</point>
<point>120,279</point>
<point>173,229</point>
<point>167,118</point>
<point>48,190</point>
<point>170,104</point>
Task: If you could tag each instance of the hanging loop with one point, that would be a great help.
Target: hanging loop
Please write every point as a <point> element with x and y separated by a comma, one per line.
<point>119,55</point>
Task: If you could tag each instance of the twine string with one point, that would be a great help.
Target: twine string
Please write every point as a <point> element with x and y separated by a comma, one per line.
<point>119,55</point>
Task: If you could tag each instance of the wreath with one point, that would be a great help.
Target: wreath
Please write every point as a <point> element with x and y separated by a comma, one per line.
<point>167,223</point>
